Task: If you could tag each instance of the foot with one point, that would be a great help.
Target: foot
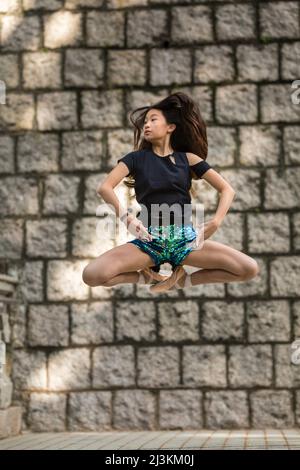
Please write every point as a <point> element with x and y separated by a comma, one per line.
<point>180,283</point>
<point>151,275</point>
<point>163,286</point>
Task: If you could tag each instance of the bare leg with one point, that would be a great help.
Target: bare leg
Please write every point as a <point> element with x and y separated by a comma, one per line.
<point>124,278</point>
<point>227,265</point>
<point>219,263</point>
<point>122,260</point>
<point>203,276</point>
<point>131,278</point>
<point>208,276</point>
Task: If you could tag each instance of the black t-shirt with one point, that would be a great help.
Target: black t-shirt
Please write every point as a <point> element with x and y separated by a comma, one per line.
<point>160,181</point>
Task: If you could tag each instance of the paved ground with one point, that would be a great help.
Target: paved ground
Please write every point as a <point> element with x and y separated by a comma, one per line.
<point>114,440</point>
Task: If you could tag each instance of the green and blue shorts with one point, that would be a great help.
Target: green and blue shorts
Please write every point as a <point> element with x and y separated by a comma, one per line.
<point>169,244</point>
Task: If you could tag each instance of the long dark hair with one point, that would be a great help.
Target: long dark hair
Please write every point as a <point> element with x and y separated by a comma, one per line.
<point>189,135</point>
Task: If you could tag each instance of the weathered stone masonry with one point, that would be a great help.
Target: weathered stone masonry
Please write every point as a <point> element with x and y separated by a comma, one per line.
<point>212,356</point>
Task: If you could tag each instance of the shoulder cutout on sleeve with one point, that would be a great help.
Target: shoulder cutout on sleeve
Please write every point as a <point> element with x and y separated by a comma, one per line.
<point>197,164</point>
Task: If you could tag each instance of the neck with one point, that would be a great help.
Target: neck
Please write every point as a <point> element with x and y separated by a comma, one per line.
<point>162,149</point>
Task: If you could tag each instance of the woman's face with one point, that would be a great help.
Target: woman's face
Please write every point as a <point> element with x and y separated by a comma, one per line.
<point>155,125</point>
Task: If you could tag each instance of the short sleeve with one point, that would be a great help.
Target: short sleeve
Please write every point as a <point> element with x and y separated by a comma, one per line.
<point>130,161</point>
<point>200,168</point>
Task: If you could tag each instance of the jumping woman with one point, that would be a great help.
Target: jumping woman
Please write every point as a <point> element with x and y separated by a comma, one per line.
<point>171,153</point>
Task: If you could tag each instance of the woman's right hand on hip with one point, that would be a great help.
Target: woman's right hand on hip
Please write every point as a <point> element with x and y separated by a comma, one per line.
<point>137,229</point>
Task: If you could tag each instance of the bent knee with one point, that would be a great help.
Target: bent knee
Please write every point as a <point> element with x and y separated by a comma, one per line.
<point>251,270</point>
<point>93,279</point>
<point>88,277</point>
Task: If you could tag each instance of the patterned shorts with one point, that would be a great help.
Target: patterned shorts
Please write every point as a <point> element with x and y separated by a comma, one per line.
<point>169,244</point>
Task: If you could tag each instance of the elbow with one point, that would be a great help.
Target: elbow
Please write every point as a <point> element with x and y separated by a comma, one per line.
<point>101,189</point>
<point>232,192</point>
<point>228,189</point>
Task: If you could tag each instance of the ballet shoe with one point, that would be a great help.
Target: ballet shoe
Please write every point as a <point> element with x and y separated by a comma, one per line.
<point>154,274</point>
<point>187,282</point>
<point>146,276</point>
<point>163,286</point>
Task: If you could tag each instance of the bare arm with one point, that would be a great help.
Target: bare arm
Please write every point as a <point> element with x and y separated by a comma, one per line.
<point>106,191</point>
<point>225,190</point>
<point>106,188</point>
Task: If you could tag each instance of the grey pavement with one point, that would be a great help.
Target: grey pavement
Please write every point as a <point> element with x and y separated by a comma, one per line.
<point>285,439</point>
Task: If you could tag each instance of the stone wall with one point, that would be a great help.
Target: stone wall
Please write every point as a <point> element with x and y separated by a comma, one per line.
<point>216,355</point>
<point>10,415</point>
